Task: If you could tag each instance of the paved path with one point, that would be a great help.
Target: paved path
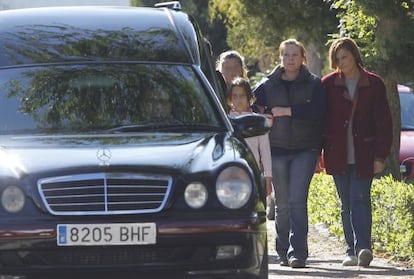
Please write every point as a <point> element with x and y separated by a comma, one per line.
<point>326,255</point>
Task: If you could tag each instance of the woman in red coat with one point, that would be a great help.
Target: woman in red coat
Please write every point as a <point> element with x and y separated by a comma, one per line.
<point>358,137</point>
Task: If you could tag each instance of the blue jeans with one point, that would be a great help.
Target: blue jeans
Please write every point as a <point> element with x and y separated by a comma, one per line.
<point>356,212</point>
<point>291,178</point>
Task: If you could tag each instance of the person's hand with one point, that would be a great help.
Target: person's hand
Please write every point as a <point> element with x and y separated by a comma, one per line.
<point>269,186</point>
<point>378,166</point>
<point>281,111</point>
<point>269,119</point>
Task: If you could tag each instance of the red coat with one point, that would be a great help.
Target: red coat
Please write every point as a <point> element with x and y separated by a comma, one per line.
<point>372,124</point>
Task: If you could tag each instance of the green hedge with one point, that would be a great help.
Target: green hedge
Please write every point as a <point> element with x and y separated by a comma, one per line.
<point>392,214</point>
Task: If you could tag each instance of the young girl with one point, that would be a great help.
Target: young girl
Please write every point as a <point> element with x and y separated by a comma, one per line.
<point>240,98</point>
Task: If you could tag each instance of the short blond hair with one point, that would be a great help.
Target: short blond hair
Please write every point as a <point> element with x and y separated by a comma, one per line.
<point>295,42</point>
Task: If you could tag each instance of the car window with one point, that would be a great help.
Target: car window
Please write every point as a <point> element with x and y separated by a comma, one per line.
<point>106,37</point>
<point>407,111</point>
<point>97,97</point>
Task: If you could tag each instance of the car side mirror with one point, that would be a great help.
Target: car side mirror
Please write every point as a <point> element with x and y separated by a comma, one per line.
<point>251,125</point>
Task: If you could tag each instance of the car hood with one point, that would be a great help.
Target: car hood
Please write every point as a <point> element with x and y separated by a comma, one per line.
<point>406,145</point>
<point>174,151</point>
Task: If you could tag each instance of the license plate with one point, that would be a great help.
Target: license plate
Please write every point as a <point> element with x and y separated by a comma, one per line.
<point>106,234</point>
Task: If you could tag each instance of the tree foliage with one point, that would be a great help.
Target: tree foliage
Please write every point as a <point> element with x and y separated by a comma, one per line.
<point>212,28</point>
<point>256,28</point>
<point>245,31</point>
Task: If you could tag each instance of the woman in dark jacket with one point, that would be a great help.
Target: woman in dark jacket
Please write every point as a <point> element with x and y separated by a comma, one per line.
<point>295,100</point>
<point>358,140</point>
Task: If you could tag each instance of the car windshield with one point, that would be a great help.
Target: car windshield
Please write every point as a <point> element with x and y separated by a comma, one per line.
<point>407,111</point>
<point>103,98</point>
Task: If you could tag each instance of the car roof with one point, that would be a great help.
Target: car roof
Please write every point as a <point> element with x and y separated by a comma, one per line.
<point>97,33</point>
<point>404,89</point>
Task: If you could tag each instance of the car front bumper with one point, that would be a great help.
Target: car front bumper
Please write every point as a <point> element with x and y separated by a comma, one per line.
<point>235,248</point>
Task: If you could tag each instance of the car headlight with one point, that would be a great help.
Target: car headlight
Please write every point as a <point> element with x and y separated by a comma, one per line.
<point>12,199</point>
<point>195,195</point>
<point>234,187</point>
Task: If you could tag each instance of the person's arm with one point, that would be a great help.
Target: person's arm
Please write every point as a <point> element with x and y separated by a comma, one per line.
<point>266,160</point>
<point>281,111</point>
<point>261,102</point>
<point>383,127</point>
<point>314,109</point>
<point>260,97</point>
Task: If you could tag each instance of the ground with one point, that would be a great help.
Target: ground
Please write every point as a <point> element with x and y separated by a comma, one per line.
<point>326,255</point>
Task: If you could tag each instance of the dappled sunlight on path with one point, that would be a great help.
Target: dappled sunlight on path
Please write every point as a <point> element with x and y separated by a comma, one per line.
<point>325,260</point>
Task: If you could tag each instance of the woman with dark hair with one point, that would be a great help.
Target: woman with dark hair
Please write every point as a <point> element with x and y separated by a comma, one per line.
<point>358,137</point>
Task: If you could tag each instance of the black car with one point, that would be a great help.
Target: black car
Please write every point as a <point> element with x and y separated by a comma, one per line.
<point>116,155</point>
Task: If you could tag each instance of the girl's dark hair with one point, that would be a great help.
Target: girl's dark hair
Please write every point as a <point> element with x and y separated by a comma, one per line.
<point>348,44</point>
<point>243,83</point>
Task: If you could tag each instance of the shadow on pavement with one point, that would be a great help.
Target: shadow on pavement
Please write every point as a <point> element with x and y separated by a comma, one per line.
<point>317,268</point>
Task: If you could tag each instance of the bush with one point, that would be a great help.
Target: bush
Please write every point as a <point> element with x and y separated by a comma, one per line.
<point>392,214</point>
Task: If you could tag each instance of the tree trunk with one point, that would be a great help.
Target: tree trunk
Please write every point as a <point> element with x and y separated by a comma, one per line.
<point>314,62</point>
<point>392,164</point>
<point>387,30</point>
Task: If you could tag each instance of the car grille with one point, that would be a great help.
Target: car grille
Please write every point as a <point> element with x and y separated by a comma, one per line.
<point>104,193</point>
<point>113,256</point>
<point>103,256</point>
